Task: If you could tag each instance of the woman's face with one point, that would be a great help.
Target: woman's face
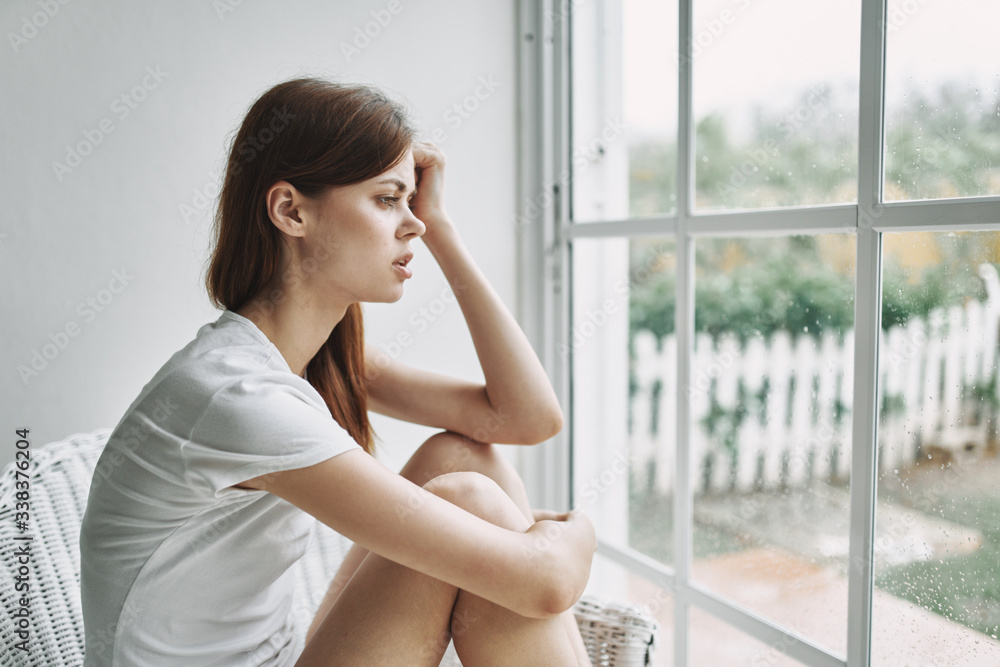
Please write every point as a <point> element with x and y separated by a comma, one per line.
<point>367,228</point>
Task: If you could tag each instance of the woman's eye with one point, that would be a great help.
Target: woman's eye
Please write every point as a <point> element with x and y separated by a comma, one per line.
<point>389,201</point>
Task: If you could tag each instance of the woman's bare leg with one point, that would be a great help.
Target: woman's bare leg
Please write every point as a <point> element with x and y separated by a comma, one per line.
<point>443,453</point>
<point>448,452</point>
<point>391,615</point>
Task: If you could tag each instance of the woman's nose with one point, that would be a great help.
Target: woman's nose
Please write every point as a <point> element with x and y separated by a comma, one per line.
<point>413,225</point>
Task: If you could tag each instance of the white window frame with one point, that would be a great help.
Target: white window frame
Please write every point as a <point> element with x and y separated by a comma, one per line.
<point>545,301</point>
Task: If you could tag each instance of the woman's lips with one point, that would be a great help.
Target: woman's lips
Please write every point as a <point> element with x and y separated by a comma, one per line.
<point>400,265</point>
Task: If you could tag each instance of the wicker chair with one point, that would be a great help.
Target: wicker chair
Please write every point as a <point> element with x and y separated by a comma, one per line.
<point>59,476</point>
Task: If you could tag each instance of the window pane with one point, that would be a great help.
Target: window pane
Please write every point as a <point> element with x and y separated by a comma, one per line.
<point>624,109</point>
<point>624,389</point>
<point>770,395</point>
<point>942,99</point>
<point>937,539</point>
<point>714,642</point>
<point>775,102</point>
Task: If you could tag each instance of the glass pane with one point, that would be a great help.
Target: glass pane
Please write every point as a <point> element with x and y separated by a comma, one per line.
<point>942,99</point>
<point>624,109</point>
<point>770,427</point>
<point>937,539</point>
<point>624,389</point>
<point>612,581</point>
<point>714,642</point>
<point>775,102</point>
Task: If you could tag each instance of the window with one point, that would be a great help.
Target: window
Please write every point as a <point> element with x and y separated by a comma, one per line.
<point>769,235</point>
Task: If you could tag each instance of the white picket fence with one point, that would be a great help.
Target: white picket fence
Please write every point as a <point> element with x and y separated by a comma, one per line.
<point>777,413</point>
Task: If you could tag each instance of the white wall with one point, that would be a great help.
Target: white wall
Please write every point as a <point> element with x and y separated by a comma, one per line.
<point>119,209</point>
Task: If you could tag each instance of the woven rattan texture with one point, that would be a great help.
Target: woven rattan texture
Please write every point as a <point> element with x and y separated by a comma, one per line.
<point>59,476</point>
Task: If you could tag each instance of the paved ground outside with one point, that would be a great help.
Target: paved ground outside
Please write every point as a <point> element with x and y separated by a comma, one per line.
<point>802,595</point>
<point>790,564</point>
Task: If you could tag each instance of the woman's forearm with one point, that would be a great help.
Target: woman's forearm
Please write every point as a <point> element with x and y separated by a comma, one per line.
<point>537,573</point>
<point>517,388</point>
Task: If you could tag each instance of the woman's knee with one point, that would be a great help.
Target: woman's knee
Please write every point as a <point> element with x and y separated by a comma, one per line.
<point>465,489</point>
<point>480,495</point>
<point>447,452</point>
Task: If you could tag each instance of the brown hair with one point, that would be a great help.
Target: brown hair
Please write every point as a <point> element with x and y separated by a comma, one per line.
<point>315,134</point>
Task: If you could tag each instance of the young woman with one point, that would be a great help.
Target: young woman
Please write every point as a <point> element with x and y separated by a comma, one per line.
<point>200,501</point>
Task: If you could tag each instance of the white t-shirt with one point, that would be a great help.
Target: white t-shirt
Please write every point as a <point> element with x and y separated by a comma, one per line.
<point>178,567</point>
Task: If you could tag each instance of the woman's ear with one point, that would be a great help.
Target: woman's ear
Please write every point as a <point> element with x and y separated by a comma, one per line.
<point>284,204</point>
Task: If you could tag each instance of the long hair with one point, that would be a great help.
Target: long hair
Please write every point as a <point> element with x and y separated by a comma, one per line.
<point>315,134</point>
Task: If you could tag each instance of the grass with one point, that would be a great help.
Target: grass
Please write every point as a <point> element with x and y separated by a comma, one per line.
<point>964,588</point>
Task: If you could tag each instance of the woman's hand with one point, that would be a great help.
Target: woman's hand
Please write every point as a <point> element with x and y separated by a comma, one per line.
<point>571,538</point>
<point>549,515</point>
<point>428,204</point>
<point>517,404</point>
<point>575,523</point>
